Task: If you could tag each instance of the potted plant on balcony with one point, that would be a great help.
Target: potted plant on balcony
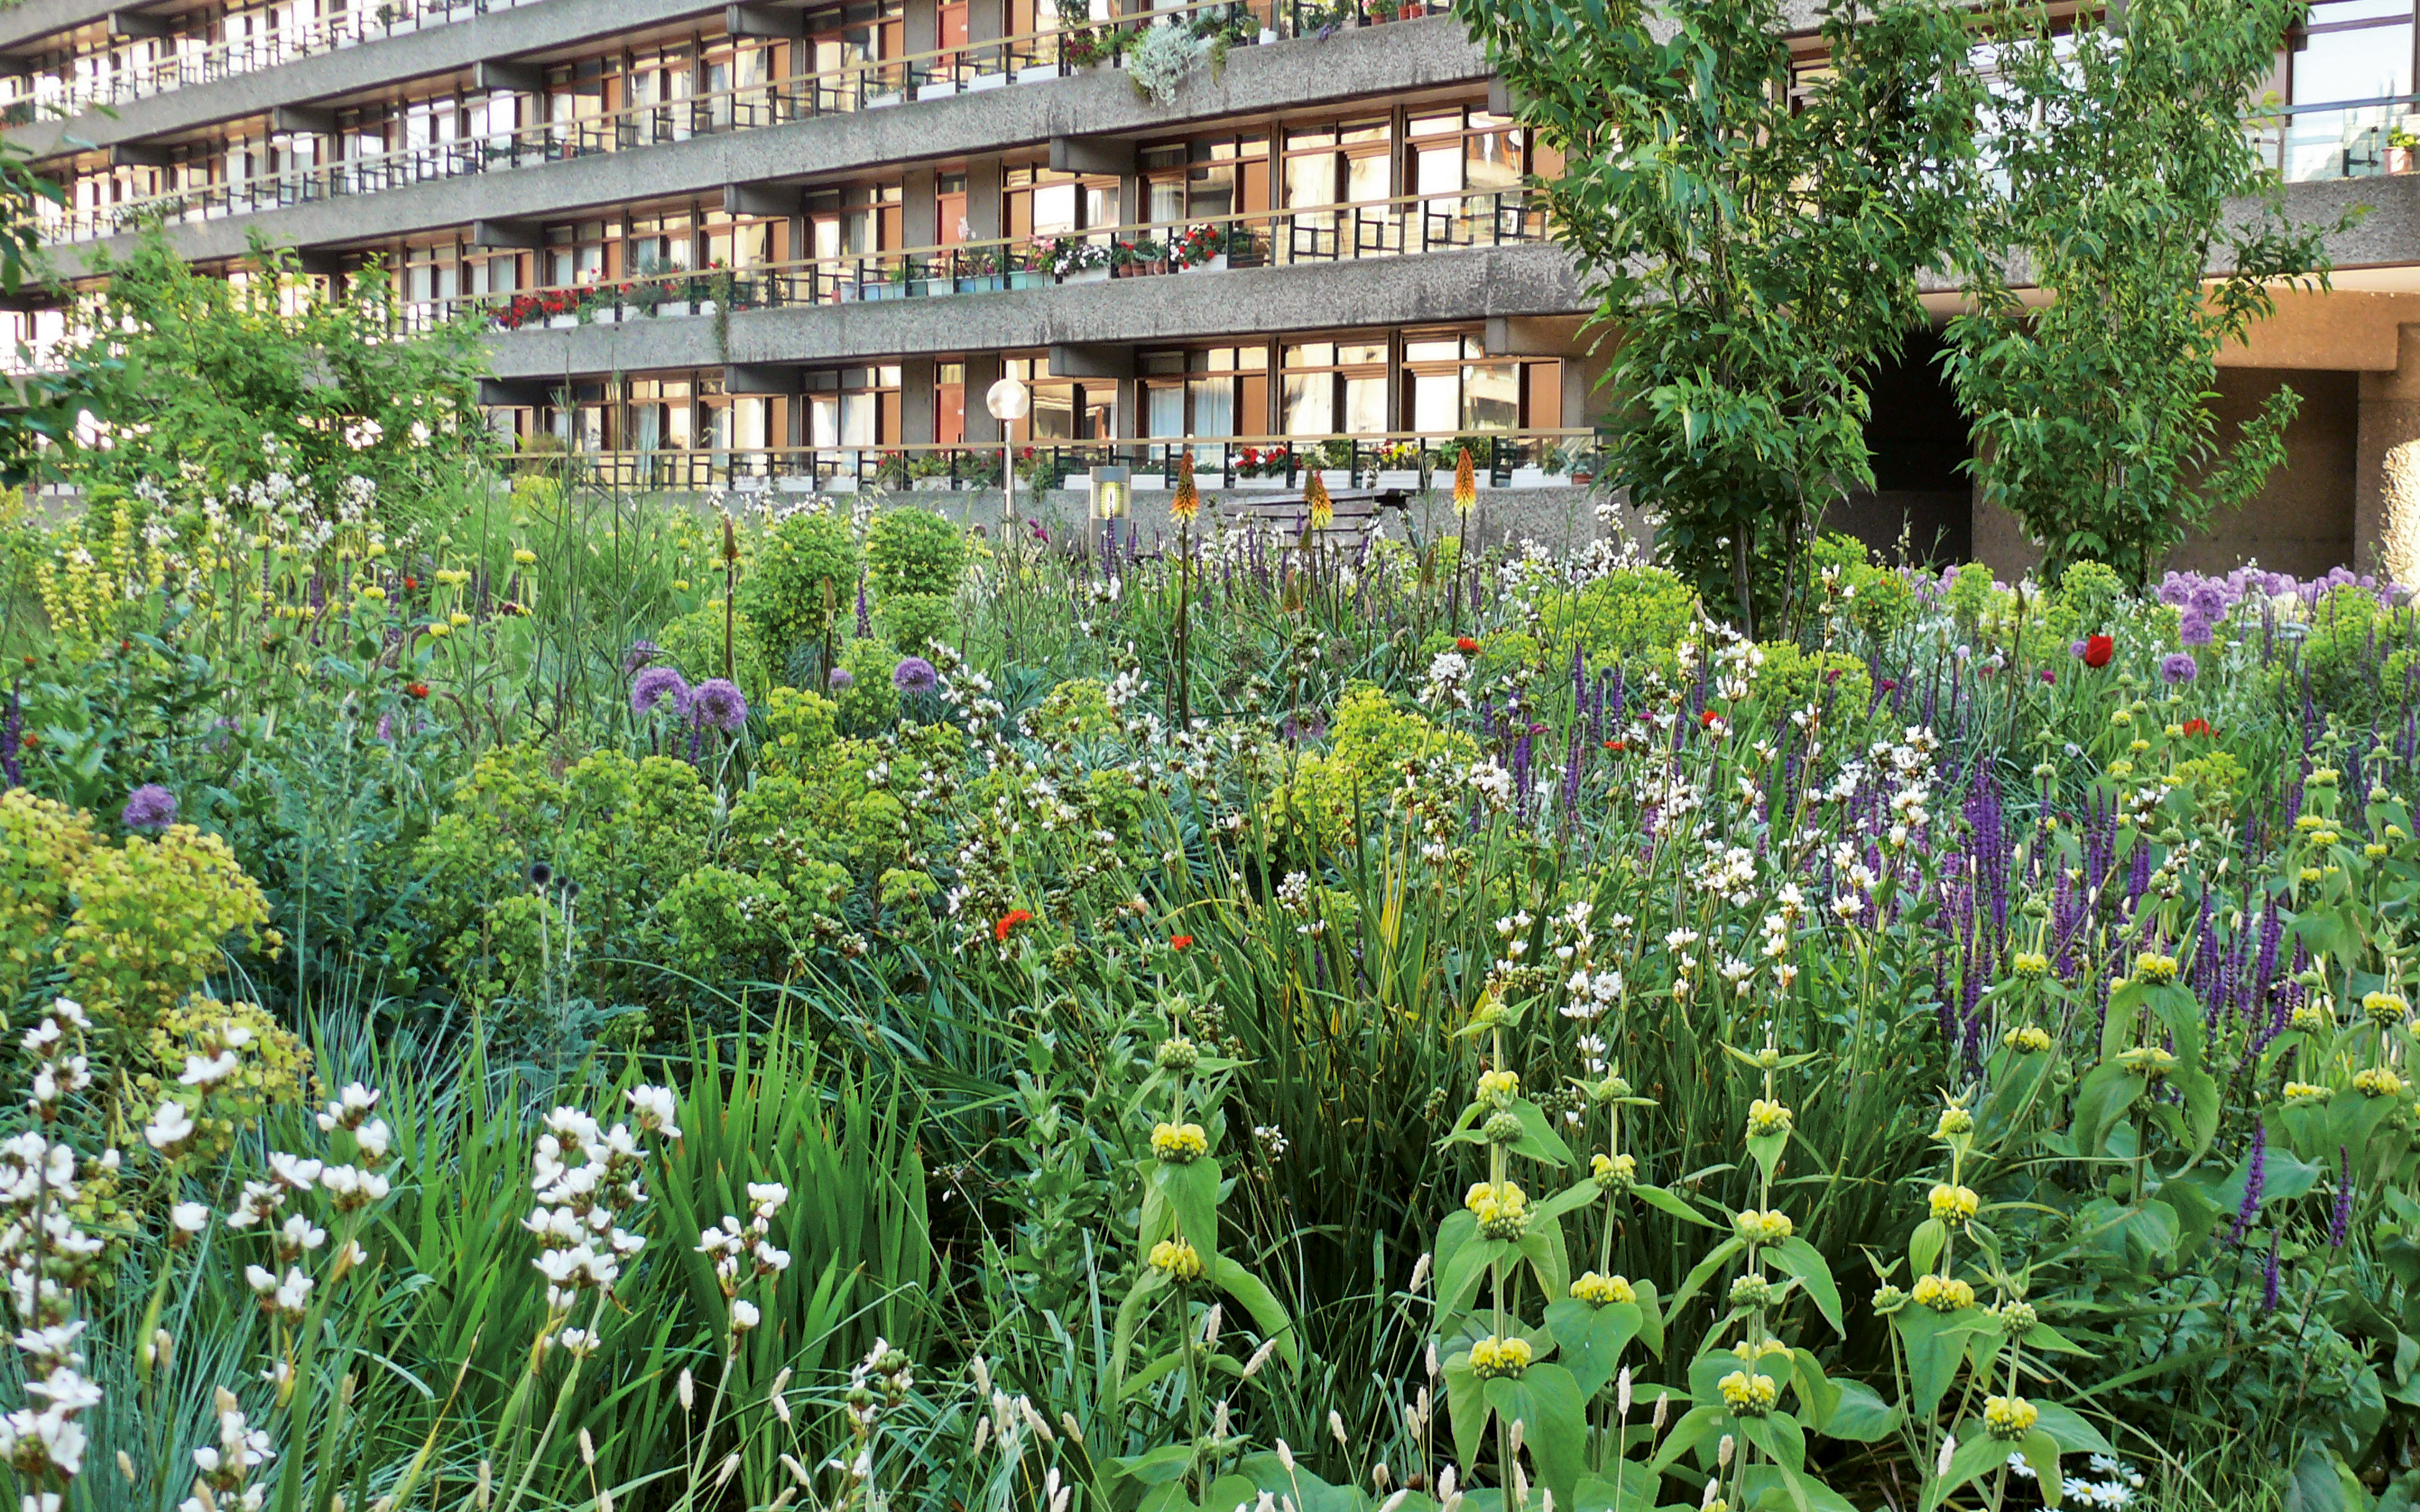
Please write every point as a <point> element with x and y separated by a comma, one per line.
<point>1139,258</point>
<point>2403,146</point>
<point>1029,269</point>
<point>1199,248</point>
<point>1333,459</point>
<point>1264,467</point>
<point>891,471</point>
<point>978,271</point>
<point>1075,260</point>
<point>1397,466</point>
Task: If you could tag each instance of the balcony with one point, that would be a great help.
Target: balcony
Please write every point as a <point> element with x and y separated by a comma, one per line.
<point>189,62</point>
<point>2330,140</point>
<point>849,90</point>
<point>1408,462</point>
<point>1409,225</point>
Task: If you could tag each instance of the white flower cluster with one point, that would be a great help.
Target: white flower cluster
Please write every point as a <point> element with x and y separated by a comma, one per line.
<point>49,1258</point>
<point>742,1252</point>
<point>585,1179</point>
<point>224,1483</point>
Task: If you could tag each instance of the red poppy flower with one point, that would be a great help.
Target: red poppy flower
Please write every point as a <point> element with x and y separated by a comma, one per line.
<point>2197,727</point>
<point>1466,643</point>
<point>2098,650</point>
<point>1008,921</point>
<point>418,690</point>
<point>1617,746</point>
<point>411,584</point>
<point>1709,718</point>
<point>1179,942</point>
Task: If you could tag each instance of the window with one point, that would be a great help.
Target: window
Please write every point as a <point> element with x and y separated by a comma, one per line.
<point>1334,388</point>
<point>1450,385</point>
<point>2357,53</point>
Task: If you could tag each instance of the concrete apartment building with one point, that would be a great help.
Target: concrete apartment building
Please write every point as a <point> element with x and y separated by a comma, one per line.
<point>783,244</point>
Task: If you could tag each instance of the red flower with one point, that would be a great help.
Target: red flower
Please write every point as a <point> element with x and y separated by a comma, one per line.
<point>1617,746</point>
<point>1707,719</point>
<point>418,690</point>
<point>411,585</point>
<point>1179,942</point>
<point>2098,650</point>
<point>1008,921</point>
<point>1466,643</point>
<point>2197,727</point>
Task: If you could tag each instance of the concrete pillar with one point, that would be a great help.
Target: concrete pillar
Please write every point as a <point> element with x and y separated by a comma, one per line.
<point>919,424</point>
<point>982,371</point>
<point>986,210</point>
<point>924,26</point>
<point>919,219</point>
<point>986,19</point>
<point>2386,477</point>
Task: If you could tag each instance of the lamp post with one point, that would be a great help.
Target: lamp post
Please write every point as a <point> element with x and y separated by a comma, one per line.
<point>1112,498</point>
<point>1009,401</point>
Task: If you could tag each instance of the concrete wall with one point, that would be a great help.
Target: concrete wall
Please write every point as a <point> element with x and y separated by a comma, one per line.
<point>1432,286</point>
<point>2302,521</point>
<point>1361,63</point>
<point>391,60</point>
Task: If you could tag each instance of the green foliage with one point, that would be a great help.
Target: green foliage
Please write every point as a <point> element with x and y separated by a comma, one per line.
<point>871,700</point>
<point>267,377</point>
<point>2123,146</point>
<point>1334,792</point>
<point>1629,613</point>
<point>1757,235</point>
<point>804,575</point>
<point>1078,709</point>
<point>914,552</point>
<point>2358,658</point>
<point>917,623</point>
<point>694,643</point>
<point>1875,599</point>
<point>1793,678</point>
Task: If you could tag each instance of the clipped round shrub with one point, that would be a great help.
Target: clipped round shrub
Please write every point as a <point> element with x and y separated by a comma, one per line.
<point>805,574</point>
<point>914,552</point>
<point>916,622</point>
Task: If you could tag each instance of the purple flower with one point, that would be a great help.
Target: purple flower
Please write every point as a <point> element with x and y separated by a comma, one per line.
<point>2076,651</point>
<point>2049,676</point>
<point>2340,1221</point>
<point>717,701</point>
<point>2179,668</point>
<point>640,653</point>
<point>2194,631</point>
<point>914,674</point>
<point>2268,1286</point>
<point>2254,1177</point>
<point>12,735</point>
<point>655,686</point>
<point>842,680</point>
<point>149,806</point>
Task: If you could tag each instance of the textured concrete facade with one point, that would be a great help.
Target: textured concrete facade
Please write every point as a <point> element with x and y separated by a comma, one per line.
<point>1443,287</point>
<point>1376,61</point>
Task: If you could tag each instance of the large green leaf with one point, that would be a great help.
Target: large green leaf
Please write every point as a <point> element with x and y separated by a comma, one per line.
<point>1588,1341</point>
<point>1549,1402</point>
<point>1803,1260</point>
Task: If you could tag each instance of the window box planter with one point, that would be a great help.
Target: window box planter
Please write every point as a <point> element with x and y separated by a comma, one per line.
<point>1274,480</point>
<point>936,89</point>
<point>987,81</point>
<point>924,288</point>
<point>928,485</point>
<point>1218,263</point>
<point>1086,275</point>
<point>1407,479</point>
<point>981,284</point>
<point>673,309</point>
<point>1209,482</point>
<point>1029,278</point>
<point>1336,478</point>
<point>882,291</point>
<point>561,322</point>
<point>1532,478</point>
<point>1152,483</point>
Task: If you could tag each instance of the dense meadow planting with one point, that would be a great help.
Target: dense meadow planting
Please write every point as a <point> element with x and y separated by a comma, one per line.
<point>525,998</point>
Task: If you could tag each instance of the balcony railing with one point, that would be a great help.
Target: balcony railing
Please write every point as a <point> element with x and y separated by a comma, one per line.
<point>1411,461</point>
<point>866,85</point>
<point>187,65</point>
<point>1408,224</point>
<point>2340,139</point>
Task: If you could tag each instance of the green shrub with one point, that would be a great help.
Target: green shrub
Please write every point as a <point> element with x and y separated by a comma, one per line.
<point>693,643</point>
<point>1792,679</point>
<point>717,919</point>
<point>799,727</point>
<point>870,703</point>
<point>916,622</point>
<point>805,574</point>
<point>914,552</point>
<point>1630,612</point>
<point>1876,599</point>
<point>1370,742</point>
<point>2354,656</point>
<point>2089,600</point>
<point>1076,709</point>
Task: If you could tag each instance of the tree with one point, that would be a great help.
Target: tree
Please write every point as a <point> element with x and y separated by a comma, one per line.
<point>2124,162</point>
<point>1753,240</point>
<point>42,409</point>
<point>239,380</point>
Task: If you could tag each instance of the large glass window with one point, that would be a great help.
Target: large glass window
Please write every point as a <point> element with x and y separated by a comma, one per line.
<point>2355,56</point>
<point>1332,388</point>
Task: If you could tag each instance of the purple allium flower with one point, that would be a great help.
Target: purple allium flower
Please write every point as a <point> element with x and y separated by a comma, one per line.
<point>914,674</point>
<point>2049,676</point>
<point>640,653</point>
<point>717,701</point>
<point>2195,631</point>
<point>656,685</point>
<point>2076,649</point>
<point>2254,1177</point>
<point>2179,668</point>
<point>149,806</point>
<point>842,680</point>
